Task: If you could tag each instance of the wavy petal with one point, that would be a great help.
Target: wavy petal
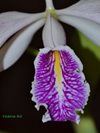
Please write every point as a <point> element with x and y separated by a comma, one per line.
<point>15,47</point>
<point>85,16</point>
<point>11,22</point>
<point>59,84</point>
<point>53,33</point>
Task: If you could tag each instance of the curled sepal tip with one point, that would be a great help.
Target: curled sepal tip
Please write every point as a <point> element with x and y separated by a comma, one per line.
<point>59,84</point>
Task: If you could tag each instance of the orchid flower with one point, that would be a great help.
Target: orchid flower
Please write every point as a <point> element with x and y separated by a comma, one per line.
<point>59,83</point>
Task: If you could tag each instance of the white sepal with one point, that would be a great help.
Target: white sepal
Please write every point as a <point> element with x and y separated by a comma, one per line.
<point>87,27</point>
<point>11,22</point>
<point>53,33</point>
<point>89,9</point>
<point>85,16</point>
<point>16,46</point>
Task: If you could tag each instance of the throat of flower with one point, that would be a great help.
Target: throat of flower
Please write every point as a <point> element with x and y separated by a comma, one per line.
<point>58,72</point>
<point>51,12</point>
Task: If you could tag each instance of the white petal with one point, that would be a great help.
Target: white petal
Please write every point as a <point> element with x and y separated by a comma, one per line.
<point>11,22</point>
<point>53,33</point>
<point>85,16</point>
<point>16,46</point>
<point>89,28</point>
<point>89,9</point>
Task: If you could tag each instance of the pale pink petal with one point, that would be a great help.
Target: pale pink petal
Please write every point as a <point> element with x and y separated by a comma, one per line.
<point>11,22</point>
<point>85,16</point>
<point>15,47</point>
<point>89,9</point>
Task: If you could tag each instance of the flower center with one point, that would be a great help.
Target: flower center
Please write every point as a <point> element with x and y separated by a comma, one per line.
<point>52,12</point>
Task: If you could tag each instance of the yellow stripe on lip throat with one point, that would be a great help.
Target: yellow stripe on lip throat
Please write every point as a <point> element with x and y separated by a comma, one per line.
<point>57,68</point>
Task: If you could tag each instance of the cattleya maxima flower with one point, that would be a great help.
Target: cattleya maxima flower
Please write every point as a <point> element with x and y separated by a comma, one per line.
<point>59,83</point>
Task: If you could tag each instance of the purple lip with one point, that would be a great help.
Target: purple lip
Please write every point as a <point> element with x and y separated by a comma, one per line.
<point>59,84</point>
